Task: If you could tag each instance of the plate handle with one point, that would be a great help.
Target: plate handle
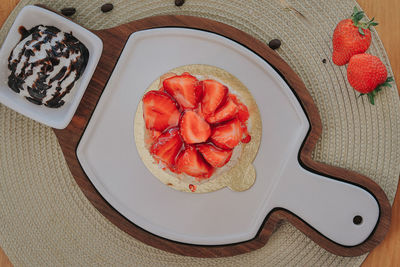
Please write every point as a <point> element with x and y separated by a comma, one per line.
<point>342,212</point>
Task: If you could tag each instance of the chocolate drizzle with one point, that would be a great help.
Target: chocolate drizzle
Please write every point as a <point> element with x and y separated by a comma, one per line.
<point>45,64</point>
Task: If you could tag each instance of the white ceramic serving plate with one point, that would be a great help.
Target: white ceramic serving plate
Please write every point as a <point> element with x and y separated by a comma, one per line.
<point>59,118</point>
<point>108,154</point>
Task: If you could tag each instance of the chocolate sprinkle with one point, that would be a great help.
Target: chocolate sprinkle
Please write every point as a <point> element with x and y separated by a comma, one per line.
<point>68,11</point>
<point>324,60</point>
<point>274,44</point>
<point>179,2</point>
<point>107,7</point>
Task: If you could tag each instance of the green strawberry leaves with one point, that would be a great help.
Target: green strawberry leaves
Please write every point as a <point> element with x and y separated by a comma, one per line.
<point>357,16</point>
<point>372,94</point>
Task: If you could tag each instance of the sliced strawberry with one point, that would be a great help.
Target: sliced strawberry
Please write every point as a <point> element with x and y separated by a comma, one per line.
<point>167,147</point>
<point>227,135</point>
<point>164,77</point>
<point>215,156</point>
<point>225,112</point>
<point>234,98</point>
<point>213,95</point>
<point>184,89</point>
<point>191,162</point>
<point>194,129</point>
<point>152,136</point>
<point>243,112</point>
<point>247,137</point>
<point>159,111</point>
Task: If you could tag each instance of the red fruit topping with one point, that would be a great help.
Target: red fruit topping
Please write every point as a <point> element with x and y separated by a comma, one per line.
<point>246,139</point>
<point>215,156</point>
<point>351,37</point>
<point>227,135</point>
<point>159,111</point>
<point>234,98</point>
<point>243,112</point>
<point>191,162</point>
<point>225,112</point>
<point>167,147</point>
<point>194,129</point>
<point>153,135</point>
<point>164,77</point>
<point>213,95</point>
<point>178,126</point>
<point>192,187</point>
<point>247,136</point>
<point>184,89</point>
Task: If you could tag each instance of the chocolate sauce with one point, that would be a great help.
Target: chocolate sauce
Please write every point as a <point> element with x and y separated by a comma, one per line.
<point>33,68</point>
<point>24,33</point>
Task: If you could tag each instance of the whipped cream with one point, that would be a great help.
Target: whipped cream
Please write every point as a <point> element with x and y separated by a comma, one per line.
<point>45,65</point>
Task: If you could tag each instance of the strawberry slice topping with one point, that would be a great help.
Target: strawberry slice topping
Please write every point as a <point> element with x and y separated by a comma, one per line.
<point>192,163</point>
<point>184,89</point>
<point>193,126</point>
<point>167,147</point>
<point>225,112</point>
<point>152,136</point>
<point>215,156</point>
<point>243,112</point>
<point>247,137</point>
<point>228,134</point>
<point>213,95</point>
<point>159,111</point>
<point>163,78</point>
<point>194,129</point>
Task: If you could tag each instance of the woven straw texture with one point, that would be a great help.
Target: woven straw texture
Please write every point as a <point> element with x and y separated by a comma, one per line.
<point>45,220</point>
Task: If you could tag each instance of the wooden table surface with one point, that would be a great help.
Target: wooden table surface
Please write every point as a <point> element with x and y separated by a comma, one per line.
<point>386,13</point>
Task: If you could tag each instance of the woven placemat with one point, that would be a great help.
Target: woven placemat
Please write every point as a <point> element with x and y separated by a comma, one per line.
<point>45,220</point>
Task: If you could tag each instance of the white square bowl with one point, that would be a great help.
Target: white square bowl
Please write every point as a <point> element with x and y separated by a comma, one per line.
<point>59,118</point>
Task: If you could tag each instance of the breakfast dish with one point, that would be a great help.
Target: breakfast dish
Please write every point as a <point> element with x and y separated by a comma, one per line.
<point>45,65</point>
<point>198,129</point>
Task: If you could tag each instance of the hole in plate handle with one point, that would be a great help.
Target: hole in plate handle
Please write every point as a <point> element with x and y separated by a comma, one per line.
<point>357,220</point>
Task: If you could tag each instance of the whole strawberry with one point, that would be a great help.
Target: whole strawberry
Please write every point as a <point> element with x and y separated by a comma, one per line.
<point>367,74</point>
<point>351,37</point>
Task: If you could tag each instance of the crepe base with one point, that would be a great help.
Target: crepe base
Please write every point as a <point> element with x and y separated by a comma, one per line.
<point>239,173</point>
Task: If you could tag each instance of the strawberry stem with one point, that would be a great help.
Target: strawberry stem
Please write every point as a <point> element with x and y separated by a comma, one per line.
<point>371,96</point>
<point>373,93</point>
<point>357,16</point>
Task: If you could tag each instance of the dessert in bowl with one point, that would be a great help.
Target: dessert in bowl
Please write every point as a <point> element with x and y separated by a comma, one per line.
<point>47,62</point>
<point>45,65</point>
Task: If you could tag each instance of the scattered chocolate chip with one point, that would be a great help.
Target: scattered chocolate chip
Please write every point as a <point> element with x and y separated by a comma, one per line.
<point>107,7</point>
<point>274,44</point>
<point>324,60</point>
<point>68,11</point>
<point>179,2</point>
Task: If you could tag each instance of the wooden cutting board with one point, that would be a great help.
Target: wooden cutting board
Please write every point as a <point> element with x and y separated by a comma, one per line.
<point>114,40</point>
